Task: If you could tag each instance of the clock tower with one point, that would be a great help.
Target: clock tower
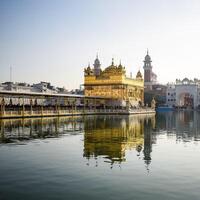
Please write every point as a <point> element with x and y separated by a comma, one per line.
<point>147,68</point>
<point>150,78</point>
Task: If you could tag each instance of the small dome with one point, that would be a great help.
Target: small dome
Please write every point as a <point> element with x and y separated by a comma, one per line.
<point>186,80</point>
<point>120,66</point>
<point>112,66</point>
<point>139,74</point>
<point>88,68</point>
<point>97,61</point>
<point>147,57</point>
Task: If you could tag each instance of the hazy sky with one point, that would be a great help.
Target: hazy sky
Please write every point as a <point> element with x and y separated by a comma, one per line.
<point>53,40</point>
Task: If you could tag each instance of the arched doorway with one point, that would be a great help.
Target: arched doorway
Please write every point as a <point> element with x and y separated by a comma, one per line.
<point>186,100</point>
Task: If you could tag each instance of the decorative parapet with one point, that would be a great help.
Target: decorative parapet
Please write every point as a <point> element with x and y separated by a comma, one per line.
<point>187,81</point>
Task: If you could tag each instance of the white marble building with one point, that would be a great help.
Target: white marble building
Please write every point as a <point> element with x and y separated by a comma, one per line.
<point>42,87</point>
<point>183,93</point>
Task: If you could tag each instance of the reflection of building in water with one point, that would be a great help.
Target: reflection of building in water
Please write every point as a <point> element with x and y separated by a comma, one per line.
<point>13,130</point>
<point>149,139</point>
<point>110,137</point>
<point>107,137</point>
<point>184,124</point>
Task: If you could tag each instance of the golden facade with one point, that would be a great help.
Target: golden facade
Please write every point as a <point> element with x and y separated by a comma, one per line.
<point>113,83</point>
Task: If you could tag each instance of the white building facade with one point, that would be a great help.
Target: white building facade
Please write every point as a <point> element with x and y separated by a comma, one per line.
<point>184,93</point>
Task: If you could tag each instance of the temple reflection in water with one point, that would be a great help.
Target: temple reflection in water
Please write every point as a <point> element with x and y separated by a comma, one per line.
<point>107,137</point>
<point>110,136</point>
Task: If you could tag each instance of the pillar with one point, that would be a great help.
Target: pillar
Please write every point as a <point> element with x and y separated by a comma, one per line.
<point>23,108</point>
<point>56,126</point>
<point>41,110</point>
<point>31,106</point>
<point>31,128</point>
<point>127,104</point>
<point>56,106</point>
<point>84,104</point>
<point>65,105</point>
<point>95,104</point>
<point>2,107</point>
<point>75,105</point>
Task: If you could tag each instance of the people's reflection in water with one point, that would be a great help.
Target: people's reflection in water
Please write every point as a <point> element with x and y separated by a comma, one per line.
<point>109,137</point>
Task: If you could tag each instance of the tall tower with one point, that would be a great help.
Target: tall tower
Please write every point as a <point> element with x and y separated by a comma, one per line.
<point>150,78</point>
<point>147,68</point>
<point>97,66</point>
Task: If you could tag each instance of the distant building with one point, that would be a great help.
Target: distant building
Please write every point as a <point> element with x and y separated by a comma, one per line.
<point>42,87</point>
<point>16,87</point>
<point>113,83</point>
<point>152,89</point>
<point>183,93</point>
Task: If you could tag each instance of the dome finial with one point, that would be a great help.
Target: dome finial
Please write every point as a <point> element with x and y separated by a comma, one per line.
<point>139,75</point>
<point>97,57</point>
<point>120,65</point>
<point>147,51</point>
<point>112,61</point>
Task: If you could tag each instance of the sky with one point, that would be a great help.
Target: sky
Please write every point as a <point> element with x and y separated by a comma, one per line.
<point>54,40</point>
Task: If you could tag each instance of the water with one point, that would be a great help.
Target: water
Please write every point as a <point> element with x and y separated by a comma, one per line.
<point>101,157</point>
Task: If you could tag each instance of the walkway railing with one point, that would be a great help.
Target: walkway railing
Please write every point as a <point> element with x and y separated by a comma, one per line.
<point>71,112</point>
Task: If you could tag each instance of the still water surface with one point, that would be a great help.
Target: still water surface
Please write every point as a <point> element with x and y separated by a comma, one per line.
<point>101,157</point>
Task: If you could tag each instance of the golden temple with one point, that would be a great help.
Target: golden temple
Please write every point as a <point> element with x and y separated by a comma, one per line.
<point>113,83</point>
